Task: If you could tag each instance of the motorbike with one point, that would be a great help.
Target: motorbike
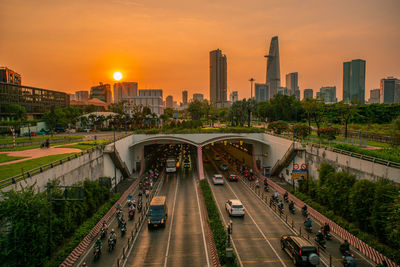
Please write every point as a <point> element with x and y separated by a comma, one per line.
<point>327,235</point>
<point>131,214</point>
<point>103,233</point>
<point>286,198</point>
<point>147,193</point>
<point>123,229</point>
<point>111,243</point>
<point>280,207</point>
<point>97,253</point>
<point>292,209</point>
<point>308,228</point>
<point>321,242</point>
<point>266,188</point>
<point>304,212</point>
<point>139,207</point>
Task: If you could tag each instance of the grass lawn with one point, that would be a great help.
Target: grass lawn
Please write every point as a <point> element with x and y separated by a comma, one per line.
<point>87,144</point>
<point>9,140</point>
<point>10,170</point>
<point>21,148</point>
<point>5,158</point>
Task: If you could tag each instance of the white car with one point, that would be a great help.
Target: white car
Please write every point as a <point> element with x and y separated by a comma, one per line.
<point>235,207</point>
<point>218,179</point>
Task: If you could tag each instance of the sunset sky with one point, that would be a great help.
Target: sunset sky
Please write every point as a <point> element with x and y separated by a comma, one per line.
<point>72,45</point>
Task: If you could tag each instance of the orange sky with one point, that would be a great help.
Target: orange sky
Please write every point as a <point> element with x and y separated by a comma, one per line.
<point>72,45</point>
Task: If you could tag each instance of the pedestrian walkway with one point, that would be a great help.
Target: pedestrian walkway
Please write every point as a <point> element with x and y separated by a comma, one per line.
<point>38,153</point>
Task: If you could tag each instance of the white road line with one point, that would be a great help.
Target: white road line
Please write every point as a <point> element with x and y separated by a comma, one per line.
<point>225,223</point>
<point>259,229</point>
<point>276,215</point>
<point>201,223</point>
<point>172,221</point>
<point>141,225</point>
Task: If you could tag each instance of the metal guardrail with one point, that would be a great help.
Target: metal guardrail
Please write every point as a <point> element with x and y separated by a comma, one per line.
<point>343,152</point>
<point>39,142</point>
<point>15,179</point>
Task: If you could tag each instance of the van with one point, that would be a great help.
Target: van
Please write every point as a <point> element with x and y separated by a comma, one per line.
<point>158,213</point>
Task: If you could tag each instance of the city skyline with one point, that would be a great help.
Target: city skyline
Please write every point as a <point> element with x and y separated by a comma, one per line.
<point>48,55</point>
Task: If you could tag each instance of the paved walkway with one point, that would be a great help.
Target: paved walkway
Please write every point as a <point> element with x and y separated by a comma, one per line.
<point>38,153</point>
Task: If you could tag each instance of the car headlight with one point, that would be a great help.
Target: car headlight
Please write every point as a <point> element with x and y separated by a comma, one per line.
<point>162,220</point>
<point>148,221</point>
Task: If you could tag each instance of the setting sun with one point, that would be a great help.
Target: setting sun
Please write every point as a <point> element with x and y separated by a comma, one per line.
<point>117,76</point>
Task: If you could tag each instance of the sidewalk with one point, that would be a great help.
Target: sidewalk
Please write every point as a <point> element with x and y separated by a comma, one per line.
<point>38,153</point>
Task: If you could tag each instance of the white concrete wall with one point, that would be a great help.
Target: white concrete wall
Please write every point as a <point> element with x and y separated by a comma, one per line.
<point>108,169</point>
<point>88,166</point>
<point>362,169</point>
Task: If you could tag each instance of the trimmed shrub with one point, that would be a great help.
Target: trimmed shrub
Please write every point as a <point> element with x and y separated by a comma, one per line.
<point>278,126</point>
<point>329,133</point>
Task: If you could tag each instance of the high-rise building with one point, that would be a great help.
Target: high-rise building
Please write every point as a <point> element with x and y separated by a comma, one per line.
<point>283,91</point>
<point>184,97</point>
<point>273,68</point>
<point>198,97</point>
<point>292,84</point>
<point>328,94</point>
<point>101,92</point>
<point>390,90</point>
<point>82,95</point>
<point>261,92</point>
<point>374,96</point>
<point>151,92</point>
<point>169,102</point>
<point>9,76</point>
<point>72,97</point>
<point>124,90</point>
<point>308,93</point>
<point>218,77</point>
<point>234,96</point>
<point>354,81</point>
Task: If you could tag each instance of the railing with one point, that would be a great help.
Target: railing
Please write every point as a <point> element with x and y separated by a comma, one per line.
<point>39,142</point>
<point>32,172</point>
<point>341,151</point>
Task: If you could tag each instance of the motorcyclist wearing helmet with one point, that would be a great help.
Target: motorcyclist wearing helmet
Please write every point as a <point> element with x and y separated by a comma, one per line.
<point>327,228</point>
<point>280,205</point>
<point>304,208</point>
<point>113,235</point>
<point>98,243</point>
<point>308,222</point>
<point>291,205</point>
<point>344,247</point>
<point>286,195</point>
<point>320,236</point>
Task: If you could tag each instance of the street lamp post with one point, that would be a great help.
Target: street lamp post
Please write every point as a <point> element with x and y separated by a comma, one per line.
<point>251,87</point>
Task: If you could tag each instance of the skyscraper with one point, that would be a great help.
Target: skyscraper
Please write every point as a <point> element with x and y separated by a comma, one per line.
<point>198,97</point>
<point>124,90</point>
<point>101,92</point>
<point>390,90</point>
<point>308,93</point>
<point>169,102</point>
<point>354,81</point>
<point>273,68</point>
<point>374,96</point>
<point>218,77</point>
<point>261,92</point>
<point>184,97</point>
<point>328,94</point>
<point>292,84</point>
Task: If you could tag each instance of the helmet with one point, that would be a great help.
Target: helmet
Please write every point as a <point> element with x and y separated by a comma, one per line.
<point>84,264</point>
<point>112,230</point>
<point>98,239</point>
<point>319,232</point>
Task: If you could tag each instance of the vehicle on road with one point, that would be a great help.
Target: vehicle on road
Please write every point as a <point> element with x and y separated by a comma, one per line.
<point>186,163</point>
<point>217,157</point>
<point>171,165</point>
<point>233,178</point>
<point>223,167</point>
<point>218,179</point>
<point>235,207</point>
<point>300,250</point>
<point>158,214</point>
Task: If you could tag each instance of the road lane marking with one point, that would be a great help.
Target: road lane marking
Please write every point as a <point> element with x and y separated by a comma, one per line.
<point>172,221</point>
<point>201,223</point>
<point>259,229</point>
<point>141,225</point>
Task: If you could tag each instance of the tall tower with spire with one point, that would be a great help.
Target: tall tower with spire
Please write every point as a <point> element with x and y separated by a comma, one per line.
<point>273,80</point>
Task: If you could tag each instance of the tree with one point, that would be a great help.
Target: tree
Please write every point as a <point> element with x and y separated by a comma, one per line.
<point>278,126</point>
<point>301,131</point>
<point>361,199</point>
<point>395,133</point>
<point>251,106</point>
<point>237,113</point>
<point>346,112</point>
<point>55,117</point>
<point>196,110</point>
<point>315,110</point>
<point>265,110</point>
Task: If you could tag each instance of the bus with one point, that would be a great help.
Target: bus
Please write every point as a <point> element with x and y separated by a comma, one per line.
<point>157,212</point>
<point>170,165</point>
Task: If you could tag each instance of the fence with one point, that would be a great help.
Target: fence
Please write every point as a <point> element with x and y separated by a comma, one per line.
<point>32,172</point>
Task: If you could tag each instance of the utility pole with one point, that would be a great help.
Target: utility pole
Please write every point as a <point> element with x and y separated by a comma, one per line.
<point>251,87</point>
<point>115,163</point>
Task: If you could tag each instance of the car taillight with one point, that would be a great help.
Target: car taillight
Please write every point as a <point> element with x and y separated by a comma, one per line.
<point>244,209</point>
<point>300,252</point>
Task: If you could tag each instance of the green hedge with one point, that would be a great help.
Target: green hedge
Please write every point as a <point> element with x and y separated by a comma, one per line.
<point>81,232</point>
<point>385,153</point>
<point>217,227</point>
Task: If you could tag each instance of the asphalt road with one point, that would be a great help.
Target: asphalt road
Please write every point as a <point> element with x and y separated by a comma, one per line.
<point>182,241</point>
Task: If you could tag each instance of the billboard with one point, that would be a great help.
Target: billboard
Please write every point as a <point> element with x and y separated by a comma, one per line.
<point>299,174</point>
